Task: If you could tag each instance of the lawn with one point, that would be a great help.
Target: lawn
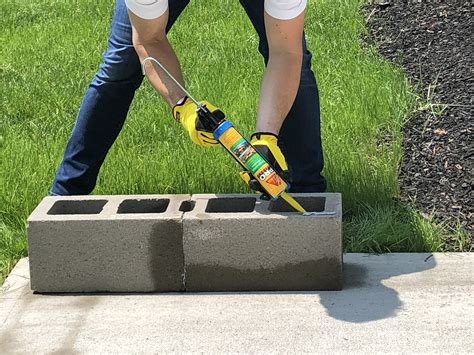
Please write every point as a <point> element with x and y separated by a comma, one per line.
<point>51,49</point>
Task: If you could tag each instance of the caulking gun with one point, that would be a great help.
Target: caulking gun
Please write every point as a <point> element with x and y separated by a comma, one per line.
<point>238,147</point>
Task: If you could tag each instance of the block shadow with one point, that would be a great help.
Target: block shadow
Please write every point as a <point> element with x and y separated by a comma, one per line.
<point>365,298</point>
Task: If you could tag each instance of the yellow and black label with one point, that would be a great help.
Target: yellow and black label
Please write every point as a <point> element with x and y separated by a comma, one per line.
<point>250,159</point>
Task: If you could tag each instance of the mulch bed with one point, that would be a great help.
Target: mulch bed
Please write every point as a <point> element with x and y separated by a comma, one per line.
<point>433,42</point>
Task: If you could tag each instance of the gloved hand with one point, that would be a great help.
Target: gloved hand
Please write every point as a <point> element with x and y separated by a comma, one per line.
<point>267,145</point>
<point>185,113</point>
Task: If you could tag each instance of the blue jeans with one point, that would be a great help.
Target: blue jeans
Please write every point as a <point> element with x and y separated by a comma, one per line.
<point>107,100</point>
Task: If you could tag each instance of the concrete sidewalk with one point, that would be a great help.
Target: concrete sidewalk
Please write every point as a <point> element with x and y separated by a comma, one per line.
<point>390,303</point>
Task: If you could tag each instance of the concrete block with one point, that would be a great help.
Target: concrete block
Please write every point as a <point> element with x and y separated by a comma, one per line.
<point>240,243</point>
<point>107,243</point>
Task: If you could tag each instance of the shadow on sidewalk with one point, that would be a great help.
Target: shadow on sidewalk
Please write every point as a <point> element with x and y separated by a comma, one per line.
<point>365,298</point>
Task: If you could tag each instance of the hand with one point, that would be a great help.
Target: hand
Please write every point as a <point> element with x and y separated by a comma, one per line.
<point>186,114</point>
<point>267,145</point>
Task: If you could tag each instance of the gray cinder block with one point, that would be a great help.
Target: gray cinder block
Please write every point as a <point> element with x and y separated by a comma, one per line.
<point>239,243</point>
<point>107,243</point>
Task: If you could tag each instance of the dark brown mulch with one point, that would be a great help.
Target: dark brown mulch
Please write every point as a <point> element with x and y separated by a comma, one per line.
<point>433,42</point>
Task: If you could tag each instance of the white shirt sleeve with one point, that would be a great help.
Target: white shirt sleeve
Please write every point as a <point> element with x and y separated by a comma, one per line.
<point>147,9</point>
<point>285,9</point>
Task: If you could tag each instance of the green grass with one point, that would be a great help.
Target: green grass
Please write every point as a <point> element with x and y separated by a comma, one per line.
<point>50,50</point>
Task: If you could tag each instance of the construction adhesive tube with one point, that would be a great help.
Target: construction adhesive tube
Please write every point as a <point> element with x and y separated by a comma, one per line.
<point>250,159</point>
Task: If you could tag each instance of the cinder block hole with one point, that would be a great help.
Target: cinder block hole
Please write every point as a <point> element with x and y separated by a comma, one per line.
<point>231,205</point>
<point>187,206</point>
<point>310,204</point>
<point>77,207</point>
<point>144,206</point>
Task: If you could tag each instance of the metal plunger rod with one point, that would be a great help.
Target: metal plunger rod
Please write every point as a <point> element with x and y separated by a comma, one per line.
<point>171,77</point>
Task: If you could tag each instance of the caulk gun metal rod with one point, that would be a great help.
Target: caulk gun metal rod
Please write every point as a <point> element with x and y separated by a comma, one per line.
<point>170,76</point>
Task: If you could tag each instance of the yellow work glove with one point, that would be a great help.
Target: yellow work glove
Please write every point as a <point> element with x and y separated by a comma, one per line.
<point>185,113</point>
<point>267,145</point>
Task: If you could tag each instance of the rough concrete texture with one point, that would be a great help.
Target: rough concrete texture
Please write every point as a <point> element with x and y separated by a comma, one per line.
<point>396,303</point>
<point>107,244</point>
<point>239,243</point>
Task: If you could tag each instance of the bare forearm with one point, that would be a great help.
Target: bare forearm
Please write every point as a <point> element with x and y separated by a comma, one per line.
<point>164,53</point>
<point>278,90</point>
<point>282,76</point>
<point>149,40</point>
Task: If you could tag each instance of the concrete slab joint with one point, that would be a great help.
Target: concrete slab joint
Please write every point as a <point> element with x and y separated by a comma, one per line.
<point>150,243</point>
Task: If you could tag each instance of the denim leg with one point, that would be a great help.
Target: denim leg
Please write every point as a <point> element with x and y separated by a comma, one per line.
<point>300,135</point>
<point>104,107</point>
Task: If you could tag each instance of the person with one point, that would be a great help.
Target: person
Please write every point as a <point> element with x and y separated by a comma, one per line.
<point>288,117</point>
